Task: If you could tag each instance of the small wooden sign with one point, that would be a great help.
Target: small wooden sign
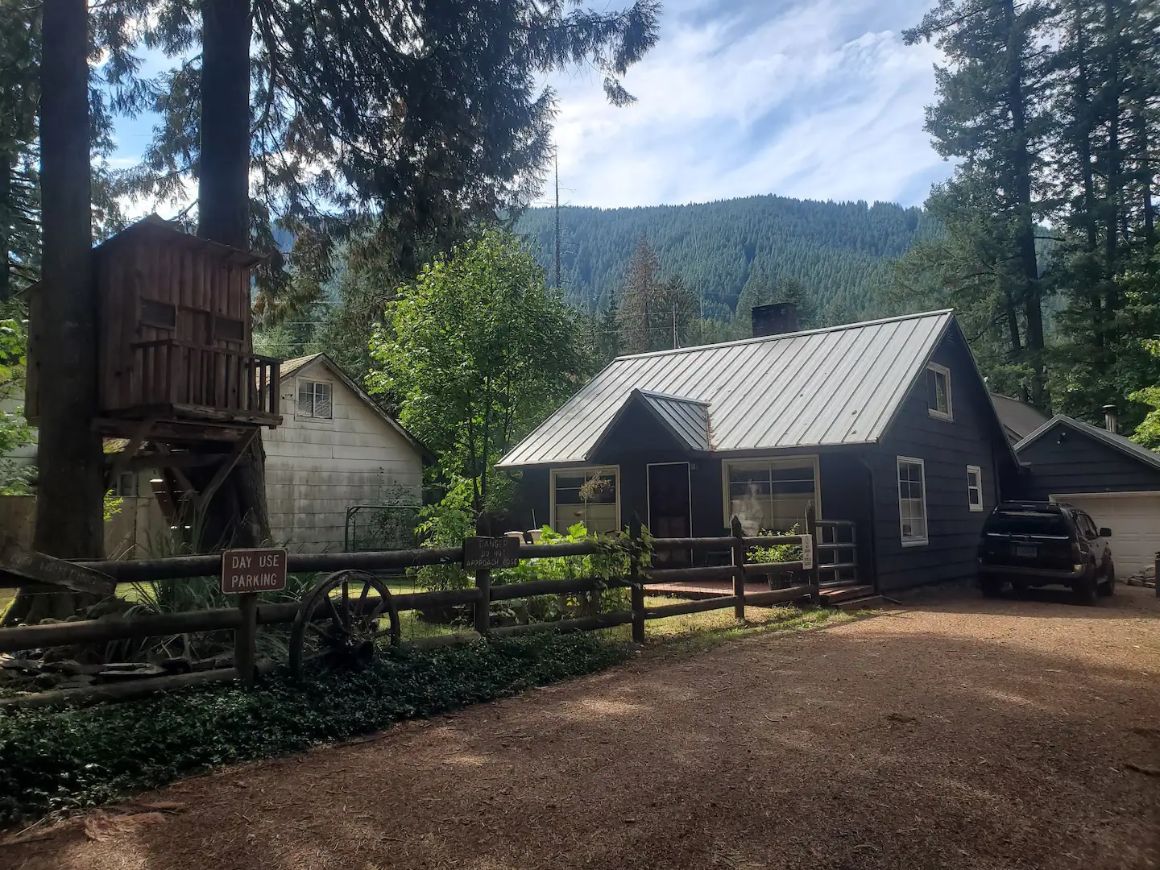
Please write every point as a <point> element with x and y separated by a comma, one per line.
<point>491,552</point>
<point>253,571</point>
<point>808,552</point>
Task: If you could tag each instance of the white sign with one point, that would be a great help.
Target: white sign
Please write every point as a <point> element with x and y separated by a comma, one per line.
<point>808,552</point>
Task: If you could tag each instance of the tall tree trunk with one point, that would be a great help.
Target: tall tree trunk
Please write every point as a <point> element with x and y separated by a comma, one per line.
<point>239,509</point>
<point>1020,157</point>
<point>71,484</point>
<point>1083,148</point>
<point>1144,150</point>
<point>7,219</point>
<point>1113,192</point>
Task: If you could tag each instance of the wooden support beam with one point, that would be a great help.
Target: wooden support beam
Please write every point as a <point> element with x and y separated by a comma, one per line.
<point>34,567</point>
<point>240,448</point>
<point>136,440</point>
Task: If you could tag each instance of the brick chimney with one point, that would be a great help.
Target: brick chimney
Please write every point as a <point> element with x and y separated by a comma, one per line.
<point>1111,420</point>
<point>775,319</point>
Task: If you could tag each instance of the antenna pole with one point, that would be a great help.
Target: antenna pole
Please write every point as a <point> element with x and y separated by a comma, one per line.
<point>556,160</point>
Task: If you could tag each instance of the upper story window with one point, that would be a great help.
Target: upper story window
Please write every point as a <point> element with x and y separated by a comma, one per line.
<point>314,400</point>
<point>939,392</point>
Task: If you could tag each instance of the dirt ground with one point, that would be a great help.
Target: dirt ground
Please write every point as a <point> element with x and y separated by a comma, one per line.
<point>953,732</point>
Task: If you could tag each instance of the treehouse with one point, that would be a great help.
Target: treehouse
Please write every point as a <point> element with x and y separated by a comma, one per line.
<point>175,360</point>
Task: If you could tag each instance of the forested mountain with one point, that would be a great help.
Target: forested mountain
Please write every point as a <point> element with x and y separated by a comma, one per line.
<point>840,252</point>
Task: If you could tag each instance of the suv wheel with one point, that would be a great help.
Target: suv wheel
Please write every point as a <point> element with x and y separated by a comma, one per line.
<point>1108,587</point>
<point>1087,590</point>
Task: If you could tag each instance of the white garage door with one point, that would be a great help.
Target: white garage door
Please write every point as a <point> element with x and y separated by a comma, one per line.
<point>1134,520</point>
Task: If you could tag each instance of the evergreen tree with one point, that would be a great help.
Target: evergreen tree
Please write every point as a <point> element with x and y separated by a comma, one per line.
<point>992,114</point>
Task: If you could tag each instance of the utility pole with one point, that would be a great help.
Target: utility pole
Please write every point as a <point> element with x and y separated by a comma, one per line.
<point>556,160</point>
<point>675,345</point>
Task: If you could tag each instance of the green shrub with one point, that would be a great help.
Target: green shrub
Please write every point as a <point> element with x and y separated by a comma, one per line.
<point>67,758</point>
<point>777,552</point>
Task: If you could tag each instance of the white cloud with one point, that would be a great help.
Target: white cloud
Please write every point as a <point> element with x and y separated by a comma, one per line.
<point>808,99</point>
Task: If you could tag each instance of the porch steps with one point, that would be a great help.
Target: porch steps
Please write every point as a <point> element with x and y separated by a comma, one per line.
<point>870,602</point>
<point>834,596</point>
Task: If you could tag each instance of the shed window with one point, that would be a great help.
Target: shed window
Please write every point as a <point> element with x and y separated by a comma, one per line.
<point>314,400</point>
<point>939,400</point>
<point>770,494</point>
<point>586,495</point>
<point>974,488</point>
<point>160,315</point>
<point>912,501</point>
<point>228,329</point>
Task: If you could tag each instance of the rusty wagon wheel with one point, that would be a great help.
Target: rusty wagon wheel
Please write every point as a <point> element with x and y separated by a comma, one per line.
<point>339,623</point>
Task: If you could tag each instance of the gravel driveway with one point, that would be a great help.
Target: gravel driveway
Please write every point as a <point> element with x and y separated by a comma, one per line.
<point>953,732</point>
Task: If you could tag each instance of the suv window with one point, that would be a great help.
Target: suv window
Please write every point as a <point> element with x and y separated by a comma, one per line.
<point>1028,522</point>
<point>1086,525</point>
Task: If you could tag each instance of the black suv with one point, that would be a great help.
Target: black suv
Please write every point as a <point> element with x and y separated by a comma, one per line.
<point>1038,543</point>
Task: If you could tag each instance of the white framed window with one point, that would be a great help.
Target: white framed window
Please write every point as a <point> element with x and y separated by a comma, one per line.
<point>315,400</point>
<point>974,488</point>
<point>912,501</point>
<point>586,495</point>
<point>939,392</point>
<point>770,494</point>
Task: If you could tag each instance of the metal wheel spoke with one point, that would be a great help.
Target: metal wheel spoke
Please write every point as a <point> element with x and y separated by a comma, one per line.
<point>318,629</point>
<point>334,614</point>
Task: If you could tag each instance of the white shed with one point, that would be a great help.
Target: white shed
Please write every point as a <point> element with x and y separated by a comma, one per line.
<point>336,449</point>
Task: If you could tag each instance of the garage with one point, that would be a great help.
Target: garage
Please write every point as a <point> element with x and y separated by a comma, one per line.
<point>1134,519</point>
<point>1099,471</point>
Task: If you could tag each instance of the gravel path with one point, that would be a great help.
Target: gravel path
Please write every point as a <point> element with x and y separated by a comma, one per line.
<point>953,732</point>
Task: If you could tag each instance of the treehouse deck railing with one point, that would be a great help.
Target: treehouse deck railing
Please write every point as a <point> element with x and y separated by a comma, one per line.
<point>213,380</point>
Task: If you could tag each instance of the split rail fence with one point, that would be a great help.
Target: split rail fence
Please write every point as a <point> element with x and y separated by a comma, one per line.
<point>804,584</point>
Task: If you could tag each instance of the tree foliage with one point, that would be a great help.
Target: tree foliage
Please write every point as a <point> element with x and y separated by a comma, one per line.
<point>476,351</point>
<point>403,120</point>
<point>839,252</point>
<point>1050,244</point>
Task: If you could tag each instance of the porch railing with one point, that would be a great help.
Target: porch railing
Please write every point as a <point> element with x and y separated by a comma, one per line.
<point>837,552</point>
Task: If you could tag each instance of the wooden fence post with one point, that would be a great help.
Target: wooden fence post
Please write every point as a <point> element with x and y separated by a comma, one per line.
<point>1156,575</point>
<point>483,605</point>
<point>636,589</point>
<point>738,548</point>
<point>815,575</point>
<point>246,639</point>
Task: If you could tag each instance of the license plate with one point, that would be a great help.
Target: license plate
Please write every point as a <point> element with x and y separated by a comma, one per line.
<point>1025,551</point>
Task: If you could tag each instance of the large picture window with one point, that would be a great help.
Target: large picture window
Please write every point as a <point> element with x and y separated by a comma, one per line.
<point>770,494</point>
<point>586,495</point>
<point>912,501</point>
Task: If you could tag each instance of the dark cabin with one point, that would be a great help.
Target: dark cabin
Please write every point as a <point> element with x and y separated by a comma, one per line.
<point>885,428</point>
<point>1099,471</point>
<point>174,340</point>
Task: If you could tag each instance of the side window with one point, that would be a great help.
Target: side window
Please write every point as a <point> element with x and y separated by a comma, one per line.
<point>974,488</point>
<point>1090,529</point>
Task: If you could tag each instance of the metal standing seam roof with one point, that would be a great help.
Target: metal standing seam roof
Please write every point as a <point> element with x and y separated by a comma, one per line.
<point>821,387</point>
<point>1112,439</point>
<point>686,419</point>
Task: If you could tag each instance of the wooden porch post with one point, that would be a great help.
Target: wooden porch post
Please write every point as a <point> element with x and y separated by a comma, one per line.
<point>814,574</point>
<point>636,589</point>
<point>738,567</point>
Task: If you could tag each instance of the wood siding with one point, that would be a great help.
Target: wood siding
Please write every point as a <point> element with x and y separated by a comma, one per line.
<point>1080,463</point>
<point>946,448</point>
<point>316,469</point>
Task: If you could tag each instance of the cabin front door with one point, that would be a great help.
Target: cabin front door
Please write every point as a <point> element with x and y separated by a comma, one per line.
<point>669,508</point>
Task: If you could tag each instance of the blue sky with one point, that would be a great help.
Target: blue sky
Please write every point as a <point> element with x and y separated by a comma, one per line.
<point>816,99</point>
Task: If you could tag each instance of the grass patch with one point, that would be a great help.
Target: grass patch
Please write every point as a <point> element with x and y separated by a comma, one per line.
<point>59,759</point>
<point>700,631</point>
